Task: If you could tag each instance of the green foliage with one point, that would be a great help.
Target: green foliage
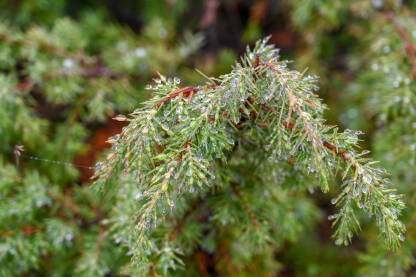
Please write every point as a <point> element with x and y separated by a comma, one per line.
<point>56,84</point>
<point>240,176</point>
<point>378,96</point>
<point>194,146</point>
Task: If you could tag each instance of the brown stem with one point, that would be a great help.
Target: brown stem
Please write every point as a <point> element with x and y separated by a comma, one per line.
<point>182,221</point>
<point>18,149</point>
<point>100,240</point>
<point>290,125</point>
<point>406,40</point>
<point>328,145</point>
<point>27,230</point>
<point>223,251</point>
<point>186,145</point>
<point>65,202</point>
<point>186,91</point>
<point>245,205</point>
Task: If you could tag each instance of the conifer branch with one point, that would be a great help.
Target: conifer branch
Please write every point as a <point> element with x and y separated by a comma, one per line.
<point>173,147</point>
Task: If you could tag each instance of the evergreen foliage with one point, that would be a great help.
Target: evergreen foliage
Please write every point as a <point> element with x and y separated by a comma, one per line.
<point>180,168</point>
<point>241,175</point>
<point>377,96</point>
<point>56,84</point>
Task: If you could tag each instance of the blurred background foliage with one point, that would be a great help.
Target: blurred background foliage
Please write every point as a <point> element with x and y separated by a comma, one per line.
<point>67,67</point>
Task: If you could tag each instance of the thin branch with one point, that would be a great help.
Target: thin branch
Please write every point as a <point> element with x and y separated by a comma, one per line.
<point>100,241</point>
<point>182,221</point>
<point>65,202</point>
<point>245,205</point>
<point>290,125</point>
<point>186,91</point>
<point>328,145</point>
<point>406,40</point>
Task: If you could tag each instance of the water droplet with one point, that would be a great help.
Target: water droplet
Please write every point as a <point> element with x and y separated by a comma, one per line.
<point>68,63</point>
<point>138,196</point>
<point>140,52</point>
<point>352,136</point>
<point>69,236</point>
<point>113,139</point>
<point>177,80</point>
<point>382,170</point>
<point>367,179</point>
<point>148,87</point>
<point>401,237</point>
<point>332,216</point>
<point>356,192</point>
<point>397,98</point>
<point>333,201</point>
<point>338,242</point>
<point>407,80</point>
<point>120,117</point>
<point>364,189</point>
<point>40,202</point>
<point>377,3</point>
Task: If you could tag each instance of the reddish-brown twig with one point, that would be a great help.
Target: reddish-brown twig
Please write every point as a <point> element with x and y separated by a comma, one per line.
<point>328,145</point>
<point>18,149</point>
<point>290,125</point>
<point>100,241</point>
<point>237,192</point>
<point>186,92</point>
<point>26,229</point>
<point>182,221</point>
<point>406,40</point>
<point>98,71</point>
<point>65,202</point>
<point>224,253</point>
<point>28,85</point>
<point>186,145</point>
<point>256,61</point>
